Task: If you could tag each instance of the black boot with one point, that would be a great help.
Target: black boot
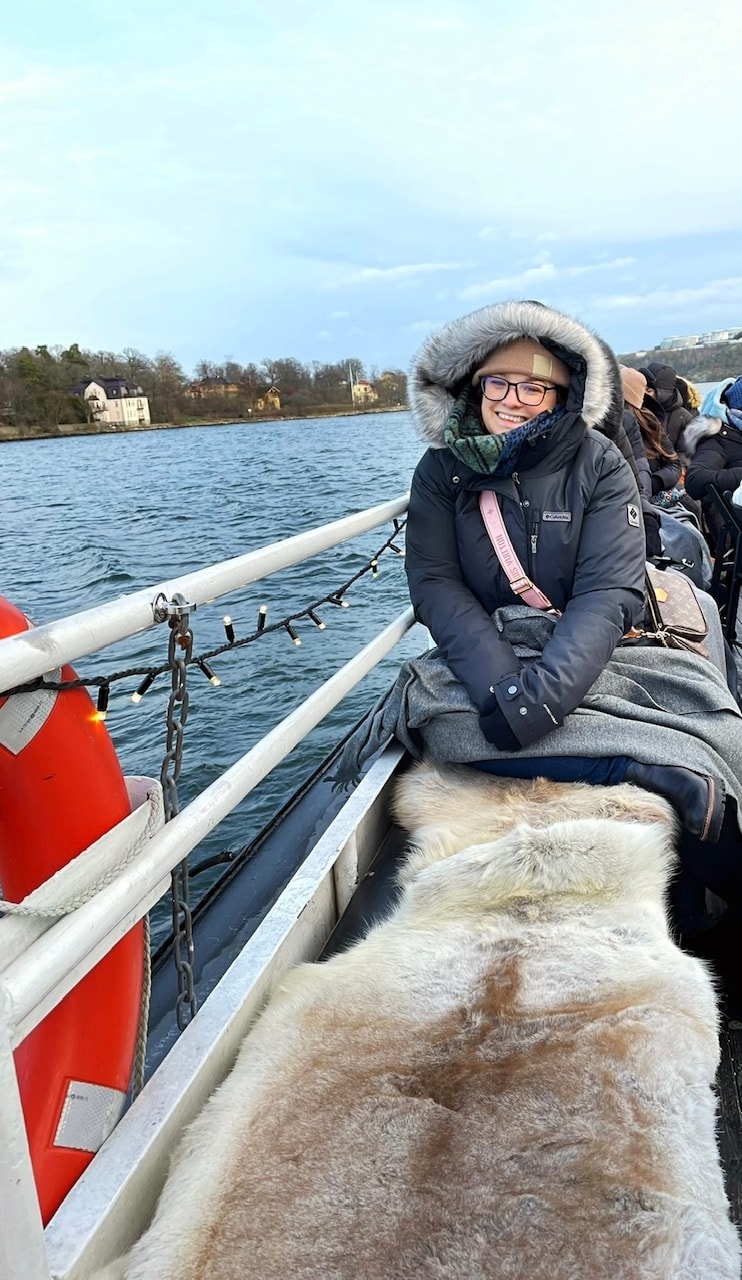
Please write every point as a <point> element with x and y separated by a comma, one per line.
<point>697,798</point>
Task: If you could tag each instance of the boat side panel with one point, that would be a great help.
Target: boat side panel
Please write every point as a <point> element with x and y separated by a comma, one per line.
<point>111,1204</point>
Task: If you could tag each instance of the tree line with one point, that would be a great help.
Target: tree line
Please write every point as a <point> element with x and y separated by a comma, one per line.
<point>36,385</point>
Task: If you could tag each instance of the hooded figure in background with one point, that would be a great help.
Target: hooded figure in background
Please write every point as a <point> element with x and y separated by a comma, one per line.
<point>662,383</point>
<point>714,442</point>
<point>517,400</point>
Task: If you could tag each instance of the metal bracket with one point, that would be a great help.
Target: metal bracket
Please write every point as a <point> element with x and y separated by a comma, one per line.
<point>164,609</point>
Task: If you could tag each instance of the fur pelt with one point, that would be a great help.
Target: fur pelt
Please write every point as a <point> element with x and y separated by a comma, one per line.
<point>510,1077</point>
<point>453,352</point>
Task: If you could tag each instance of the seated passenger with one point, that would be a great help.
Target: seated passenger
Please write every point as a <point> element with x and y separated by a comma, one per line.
<point>680,536</point>
<point>662,386</point>
<point>634,386</point>
<point>714,441</point>
<point>664,464</point>
<point>515,401</point>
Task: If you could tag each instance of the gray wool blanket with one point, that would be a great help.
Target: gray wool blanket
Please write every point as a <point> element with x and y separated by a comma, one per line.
<point>656,705</point>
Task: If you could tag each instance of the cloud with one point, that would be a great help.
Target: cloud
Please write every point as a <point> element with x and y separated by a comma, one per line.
<point>711,293</point>
<point>504,284</point>
<point>544,273</point>
<point>406,272</point>
<point>420,326</point>
<point>340,315</point>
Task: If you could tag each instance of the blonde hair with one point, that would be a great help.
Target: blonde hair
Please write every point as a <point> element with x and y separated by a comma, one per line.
<point>689,394</point>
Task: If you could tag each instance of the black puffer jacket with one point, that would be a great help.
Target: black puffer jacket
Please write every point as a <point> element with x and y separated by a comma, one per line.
<point>677,421</point>
<point>717,458</point>
<point>572,512</point>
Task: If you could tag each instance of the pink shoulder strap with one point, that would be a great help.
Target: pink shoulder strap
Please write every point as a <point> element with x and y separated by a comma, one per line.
<point>519,581</point>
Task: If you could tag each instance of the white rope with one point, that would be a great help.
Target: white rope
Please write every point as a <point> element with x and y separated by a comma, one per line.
<point>140,1055</point>
<point>82,878</point>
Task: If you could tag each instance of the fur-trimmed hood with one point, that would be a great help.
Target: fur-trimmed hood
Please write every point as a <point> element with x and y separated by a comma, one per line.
<point>712,418</point>
<point>451,354</point>
<point>697,430</point>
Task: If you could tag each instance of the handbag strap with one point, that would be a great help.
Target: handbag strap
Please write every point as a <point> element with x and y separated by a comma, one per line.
<point>519,581</point>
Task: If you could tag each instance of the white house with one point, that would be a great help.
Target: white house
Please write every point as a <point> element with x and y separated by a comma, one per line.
<point>114,400</point>
<point>719,335</point>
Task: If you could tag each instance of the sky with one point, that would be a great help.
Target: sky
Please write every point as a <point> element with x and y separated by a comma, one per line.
<point>241,179</point>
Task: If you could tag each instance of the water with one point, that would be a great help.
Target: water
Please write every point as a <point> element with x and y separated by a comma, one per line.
<point>90,518</point>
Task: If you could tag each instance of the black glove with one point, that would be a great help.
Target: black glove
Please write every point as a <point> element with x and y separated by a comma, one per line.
<point>496,729</point>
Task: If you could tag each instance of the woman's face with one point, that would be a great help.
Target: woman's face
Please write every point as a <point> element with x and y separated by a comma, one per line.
<point>504,414</point>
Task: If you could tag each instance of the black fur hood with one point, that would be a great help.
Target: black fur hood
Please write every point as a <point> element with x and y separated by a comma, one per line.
<point>451,354</point>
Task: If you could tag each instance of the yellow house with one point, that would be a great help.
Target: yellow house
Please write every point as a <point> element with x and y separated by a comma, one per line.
<point>363,393</point>
<point>269,399</point>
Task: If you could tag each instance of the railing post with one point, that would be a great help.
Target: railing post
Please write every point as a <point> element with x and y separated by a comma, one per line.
<point>22,1248</point>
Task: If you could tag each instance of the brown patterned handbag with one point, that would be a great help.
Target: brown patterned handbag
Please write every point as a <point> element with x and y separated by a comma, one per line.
<point>673,617</point>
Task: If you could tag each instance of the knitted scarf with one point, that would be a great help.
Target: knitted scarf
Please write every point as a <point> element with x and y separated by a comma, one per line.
<point>471,443</point>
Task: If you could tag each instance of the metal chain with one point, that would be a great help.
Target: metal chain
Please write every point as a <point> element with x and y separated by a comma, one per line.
<point>180,648</point>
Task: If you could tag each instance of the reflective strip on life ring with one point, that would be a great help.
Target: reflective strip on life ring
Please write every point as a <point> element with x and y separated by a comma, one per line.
<point>62,788</point>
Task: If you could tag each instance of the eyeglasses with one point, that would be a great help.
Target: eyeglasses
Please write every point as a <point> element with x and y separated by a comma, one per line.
<point>530,393</point>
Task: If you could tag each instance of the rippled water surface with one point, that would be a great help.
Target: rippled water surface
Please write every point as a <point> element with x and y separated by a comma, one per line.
<point>88,519</point>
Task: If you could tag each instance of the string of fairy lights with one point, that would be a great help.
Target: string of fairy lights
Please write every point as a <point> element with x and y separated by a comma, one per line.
<point>149,674</point>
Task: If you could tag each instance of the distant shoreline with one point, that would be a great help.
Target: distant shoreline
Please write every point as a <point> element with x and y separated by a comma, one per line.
<point>13,434</point>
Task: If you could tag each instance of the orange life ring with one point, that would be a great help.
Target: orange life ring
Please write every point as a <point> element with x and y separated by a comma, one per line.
<point>61,788</point>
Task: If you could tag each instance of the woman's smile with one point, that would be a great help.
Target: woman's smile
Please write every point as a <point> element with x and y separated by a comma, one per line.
<point>508,419</point>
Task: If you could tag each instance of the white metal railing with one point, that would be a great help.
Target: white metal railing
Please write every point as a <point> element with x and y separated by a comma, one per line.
<point>46,962</point>
<point>43,649</point>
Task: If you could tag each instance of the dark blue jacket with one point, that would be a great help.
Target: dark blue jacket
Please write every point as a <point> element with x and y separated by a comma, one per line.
<point>572,511</point>
<point>575,522</point>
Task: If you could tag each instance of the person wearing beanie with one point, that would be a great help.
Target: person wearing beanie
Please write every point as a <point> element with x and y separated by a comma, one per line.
<point>662,382</point>
<point>639,463</point>
<point>520,402</point>
<point>663,462</point>
<point>732,395</point>
<point>678,517</point>
<point>715,444</point>
<point>634,385</point>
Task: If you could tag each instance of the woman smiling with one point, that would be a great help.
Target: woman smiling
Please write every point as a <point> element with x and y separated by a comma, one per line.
<point>522,497</point>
